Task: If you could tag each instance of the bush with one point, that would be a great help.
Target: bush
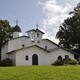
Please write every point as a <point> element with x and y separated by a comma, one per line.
<point>58,62</point>
<point>6,62</point>
<point>73,62</point>
<point>66,61</point>
<point>79,62</point>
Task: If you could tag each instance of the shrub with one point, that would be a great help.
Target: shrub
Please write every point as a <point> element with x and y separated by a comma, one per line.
<point>66,61</point>
<point>79,62</point>
<point>58,62</point>
<point>6,62</point>
<point>73,62</point>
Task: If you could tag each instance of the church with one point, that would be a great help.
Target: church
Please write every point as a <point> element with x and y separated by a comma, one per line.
<point>32,49</point>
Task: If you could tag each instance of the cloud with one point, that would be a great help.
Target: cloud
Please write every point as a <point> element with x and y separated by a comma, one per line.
<point>55,13</point>
<point>48,36</point>
<point>52,38</point>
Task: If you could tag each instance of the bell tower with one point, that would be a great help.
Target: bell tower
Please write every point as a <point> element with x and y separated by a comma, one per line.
<point>35,35</point>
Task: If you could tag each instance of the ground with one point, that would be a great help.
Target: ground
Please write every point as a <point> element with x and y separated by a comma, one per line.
<point>40,73</point>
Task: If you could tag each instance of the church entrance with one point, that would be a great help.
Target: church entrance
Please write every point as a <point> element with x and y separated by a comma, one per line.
<point>35,59</point>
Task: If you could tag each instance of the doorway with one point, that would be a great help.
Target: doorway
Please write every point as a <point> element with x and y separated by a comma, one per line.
<point>35,59</point>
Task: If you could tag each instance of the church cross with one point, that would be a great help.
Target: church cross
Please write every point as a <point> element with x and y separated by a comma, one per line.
<point>16,22</point>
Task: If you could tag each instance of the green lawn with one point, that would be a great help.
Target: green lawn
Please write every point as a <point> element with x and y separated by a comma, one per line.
<point>40,73</point>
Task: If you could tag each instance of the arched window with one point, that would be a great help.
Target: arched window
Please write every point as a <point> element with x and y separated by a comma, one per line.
<point>34,59</point>
<point>59,57</point>
<point>67,57</point>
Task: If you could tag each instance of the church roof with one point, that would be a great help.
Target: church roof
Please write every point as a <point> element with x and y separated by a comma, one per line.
<point>28,47</point>
<point>36,30</point>
<point>52,42</point>
<point>60,47</point>
<point>31,30</point>
<point>48,51</point>
<point>68,50</point>
<point>39,31</point>
<point>21,37</point>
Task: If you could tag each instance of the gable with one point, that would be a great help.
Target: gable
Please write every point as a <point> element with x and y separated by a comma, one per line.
<point>50,44</point>
<point>30,47</point>
<point>35,49</point>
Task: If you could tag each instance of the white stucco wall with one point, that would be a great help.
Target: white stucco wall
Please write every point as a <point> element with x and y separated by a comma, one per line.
<point>4,48</point>
<point>44,58</point>
<point>17,43</point>
<point>12,56</point>
<point>16,34</point>
<point>58,52</point>
<point>20,55</point>
<point>49,44</point>
<point>3,52</point>
<point>4,56</point>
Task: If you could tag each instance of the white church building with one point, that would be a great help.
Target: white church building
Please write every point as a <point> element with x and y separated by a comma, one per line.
<point>32,49</point>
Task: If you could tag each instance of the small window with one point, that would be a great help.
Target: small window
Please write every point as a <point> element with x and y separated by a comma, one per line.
<point>23,45</point>
<point>66,57</point>
<point>26,57</point>
<point>38,41</point>
<point>60,58</point>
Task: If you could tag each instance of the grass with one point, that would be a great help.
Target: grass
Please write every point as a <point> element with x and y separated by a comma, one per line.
<point>40,73</point>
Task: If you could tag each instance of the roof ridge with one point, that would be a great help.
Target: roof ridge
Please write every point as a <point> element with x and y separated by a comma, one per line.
<point>29,47</point>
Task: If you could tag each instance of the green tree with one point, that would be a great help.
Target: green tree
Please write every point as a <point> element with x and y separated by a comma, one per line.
<point>76,10</point>
<point>5,32</point>
<point>69,31</point>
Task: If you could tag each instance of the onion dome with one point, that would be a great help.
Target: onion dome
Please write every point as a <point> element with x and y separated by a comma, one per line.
<point>17,29</point>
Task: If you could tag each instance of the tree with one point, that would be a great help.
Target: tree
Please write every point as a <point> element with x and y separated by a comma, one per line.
<point>5,32</point>
<point>69,31</point>
<point>76,10</point>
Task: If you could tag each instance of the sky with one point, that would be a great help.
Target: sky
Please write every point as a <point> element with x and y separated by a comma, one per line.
<point>48,14</point>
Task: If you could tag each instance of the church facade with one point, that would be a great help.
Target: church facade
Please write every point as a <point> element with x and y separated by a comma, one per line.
<point>32,49</point>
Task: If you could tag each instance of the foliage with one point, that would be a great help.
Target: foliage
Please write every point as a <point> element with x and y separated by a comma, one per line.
<point>79,62</point>
<point>69,31</point>
<point>76,10</point>
<point>73,62</point>
<point>6,62</point>
<point>58,62</point>
<point>5,31</point>
<point>66,59</point>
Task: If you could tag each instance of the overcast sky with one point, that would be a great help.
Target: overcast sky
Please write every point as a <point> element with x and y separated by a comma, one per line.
<point>48,14</point>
